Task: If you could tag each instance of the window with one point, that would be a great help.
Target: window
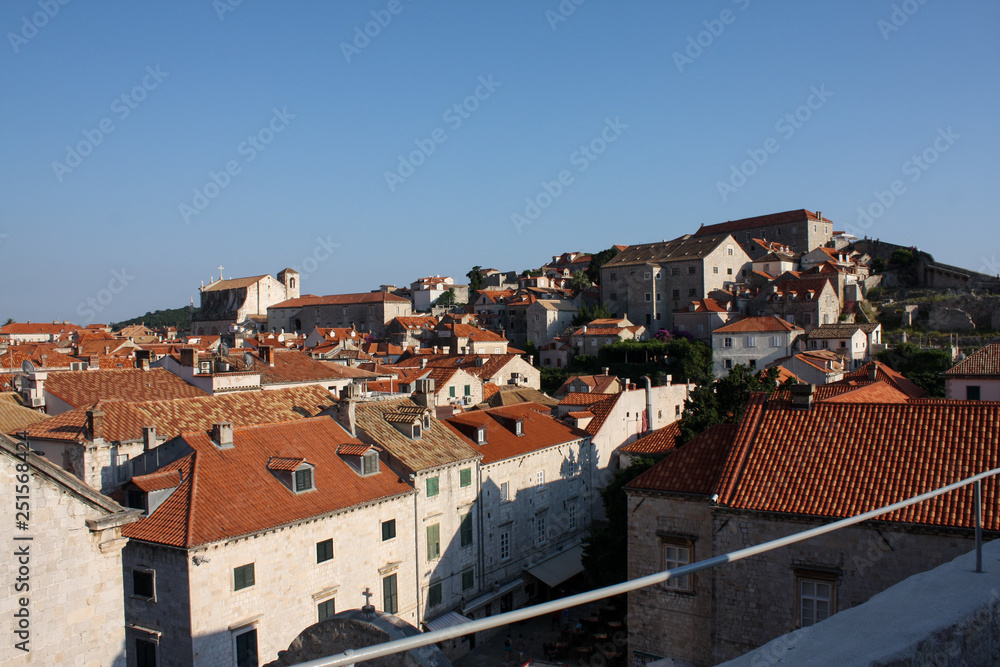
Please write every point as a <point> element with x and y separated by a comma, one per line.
<point>465,477</point>
<point>518,427</point>
<point>729,250</point>
<point>692,270</point>
<point>675,271</point>
<point>727,342</point>
<point>434,595</point>
<point>504,545</point>
<point>715,269</point>
<point>246,648</point>
<point>572,516</point>
<point>753,364</point>
<point>728,364</point>
<point>145,653</point>
<point>540,478</point>
<point>972,393</point>
<point>243,577</point>
<point>677,554</point>
<point>540,528</point>
<point>729,271</point>
<point>451,392</point>
<point>468,579</point>
<point>815,601</point>
<point>135,499</point>
<point>677,293</point>
<point>466,529</point>
<point>434,541</point>
<point>143,585</point>
<point>776,341</point>
<point>324,551</point>
<point>388,529</point>
<point>468,390</point>
<point>432,487</point>
<point>390,603</point>
<point>692,291</point>
<point>369,463</point>
<point>649,296</point>
<point>677,410</point>
<point>303,480</point>
<point>481,433</point>
<point>504,491</point>
<point>646,275</point>
<point>614,276</point>
<point>326,609</point>
<point>751,341</point>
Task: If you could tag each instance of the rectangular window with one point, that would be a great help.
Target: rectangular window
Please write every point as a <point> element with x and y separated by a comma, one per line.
<point>390,604</point>
<point>434,595</point>
<point>776,342</point>
<point>815,601</point>
<point>324,551</point>
<point>540,478</point>
<point>504,545</point>
<point>692,291</point>
<point>468,579</point>
<point>692,270</point>
<point>468,390</point>
<point>243,577</point>
<point>751,341</point>
<point>729,271</point>
<point>677,555</point>
<point>432,487</point>
<point>369,463</point>
<point>727,342</point>
<point>972,393</point>
<point>728,364</point>
<point>246,649</point>
<point>715,269</point>
<point>326,609</point>
<point>649,297</point>
<point>451,392</point>
<point>677,293</point>
<point>388,529</point>
<point>145,653</point>
<point>753,364</point>
<point>466,531</point>
<point>572,517</point>
<point>675,271</point>
<point>540,528</point>
<point>434,541</point>
<point>303,480</point>
<point>465,477</point>
<point>143,585</point>
<point>646,275</point>
<point>504,491</point>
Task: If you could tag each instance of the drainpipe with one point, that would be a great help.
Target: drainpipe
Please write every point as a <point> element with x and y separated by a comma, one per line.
<point>416,555</point>
<point>649,404</point>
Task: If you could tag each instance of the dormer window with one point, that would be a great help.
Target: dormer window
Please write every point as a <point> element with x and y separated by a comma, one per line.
<point>369,463</point>
<point>519,427</point>
<point>481,435</point>
<point>294,473</point>
<point>304,480</point>
<point>416,431</point>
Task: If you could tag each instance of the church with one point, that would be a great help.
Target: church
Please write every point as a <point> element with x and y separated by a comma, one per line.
<point>225,303</point>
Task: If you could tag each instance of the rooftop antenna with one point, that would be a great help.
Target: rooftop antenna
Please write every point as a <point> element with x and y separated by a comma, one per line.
<point>248,360</point>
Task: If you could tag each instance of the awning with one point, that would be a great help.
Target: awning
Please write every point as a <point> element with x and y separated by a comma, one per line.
<point>446,620</point>
<point>559,568</point>
<point>492,595</point>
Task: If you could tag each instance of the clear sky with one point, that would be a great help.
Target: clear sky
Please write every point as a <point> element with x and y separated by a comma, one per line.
<point>145,144</point>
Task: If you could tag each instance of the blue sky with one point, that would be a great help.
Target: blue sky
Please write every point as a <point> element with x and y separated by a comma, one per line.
<point>259,135</point>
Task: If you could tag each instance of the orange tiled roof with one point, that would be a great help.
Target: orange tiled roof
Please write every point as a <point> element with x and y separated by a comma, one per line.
<point>540,430</point>
<point>82,388</point>
<point>693,467</point>
<point>657,442</point>
<point>798,215</point>
<point>340,300</point>
<point>884,374</point>
<point>602,410</point>
<point>230,493</point>
<point>984,361</point>
<point>762,323</point>
<point>577,398</point>
<point>26,328</point>
<point>285,463</point>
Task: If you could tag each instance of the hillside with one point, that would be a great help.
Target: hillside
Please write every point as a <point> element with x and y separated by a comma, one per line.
<point>173,317</point>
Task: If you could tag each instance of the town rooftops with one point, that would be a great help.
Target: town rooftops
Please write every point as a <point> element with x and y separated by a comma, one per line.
<point>685,248</point>
<point>340,300</point>
<point>693,467</point>
<point>834,459</point>
<point>83,388</point>
<point>705,305</point>
<point>14,417</point>
<point>503,438</point>
<point>758,324</point>
<point>984,361</point>
<point>841,330</point>
<point>798,215</point>
<point>658,442</point>
<point>56,329</point>
<point>231,492</point>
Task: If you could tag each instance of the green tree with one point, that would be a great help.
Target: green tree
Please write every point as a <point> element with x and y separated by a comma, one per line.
<point>901,258</point>
<point>579,281</point>
<point>475,277</point>
<point>605,552</point>
<point>922,367</point>
<point>10,320</point>
<point>588,314</point>
<point>725,400</point>
<point>446,300</point>
<point>597,260</point>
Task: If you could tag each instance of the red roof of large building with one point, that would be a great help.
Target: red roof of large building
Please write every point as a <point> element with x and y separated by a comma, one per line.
<point>540,431</point>
<point>798,215</point>
<point>340,300</point>
<point>984,361</point>
<point>84,388</point>
<point>229,493</point>
<point>659,441</point>
<point>761,323</point>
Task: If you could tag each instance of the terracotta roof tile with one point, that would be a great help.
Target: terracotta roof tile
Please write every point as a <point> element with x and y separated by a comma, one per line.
<point>657,442</point>
<point>82,388</point>
<point>762,323</point>
<point>984,361</point>
<point>693,467</point>
<point>798,215</point>
<point>340,299</point>
<point>540,431</point>
<point>230,493</point>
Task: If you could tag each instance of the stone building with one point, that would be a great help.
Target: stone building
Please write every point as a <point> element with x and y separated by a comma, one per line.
<point>255,533</point>
<point>365,312</point>
<point>547,318</point>
<point>752,341</point>
<point>647,283</point>
<point>62,567</point>
<point>855,343</point>
<point>806,303</point>
<point>703,316</point>
<point>976,378</point>
<point>791,465</point>
<point>799,230</point>
<point>225,303</point>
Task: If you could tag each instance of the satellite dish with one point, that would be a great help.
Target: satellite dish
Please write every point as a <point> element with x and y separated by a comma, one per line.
<point>248,360</point>
<point>27,367</point>
<point>223,350</point>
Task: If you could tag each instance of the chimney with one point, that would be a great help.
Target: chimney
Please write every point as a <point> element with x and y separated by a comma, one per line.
<point>435,349</point>
<point>148,438</point>
<point>266,354</point>
<point>584,329</point>
<point>423,364</point>
<point>95,424</point>
<point>819,215</point>
<point>189,357</point>
<point>873,372</point>
<point>222,434</point>
<point>43,358</point>
<point>604,371</point>
<point>531,360</point>
<point>802,396</point>
<point>107,350</point>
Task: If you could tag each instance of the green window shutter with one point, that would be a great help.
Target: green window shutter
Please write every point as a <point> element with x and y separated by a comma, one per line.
<point>434,541</point>
<point>432,486</point>
<point>465,476</point>
<point>467,530</point>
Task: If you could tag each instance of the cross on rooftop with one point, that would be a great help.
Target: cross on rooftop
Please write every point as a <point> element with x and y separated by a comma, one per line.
<point>220,272</point>
<point>368,596</point>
